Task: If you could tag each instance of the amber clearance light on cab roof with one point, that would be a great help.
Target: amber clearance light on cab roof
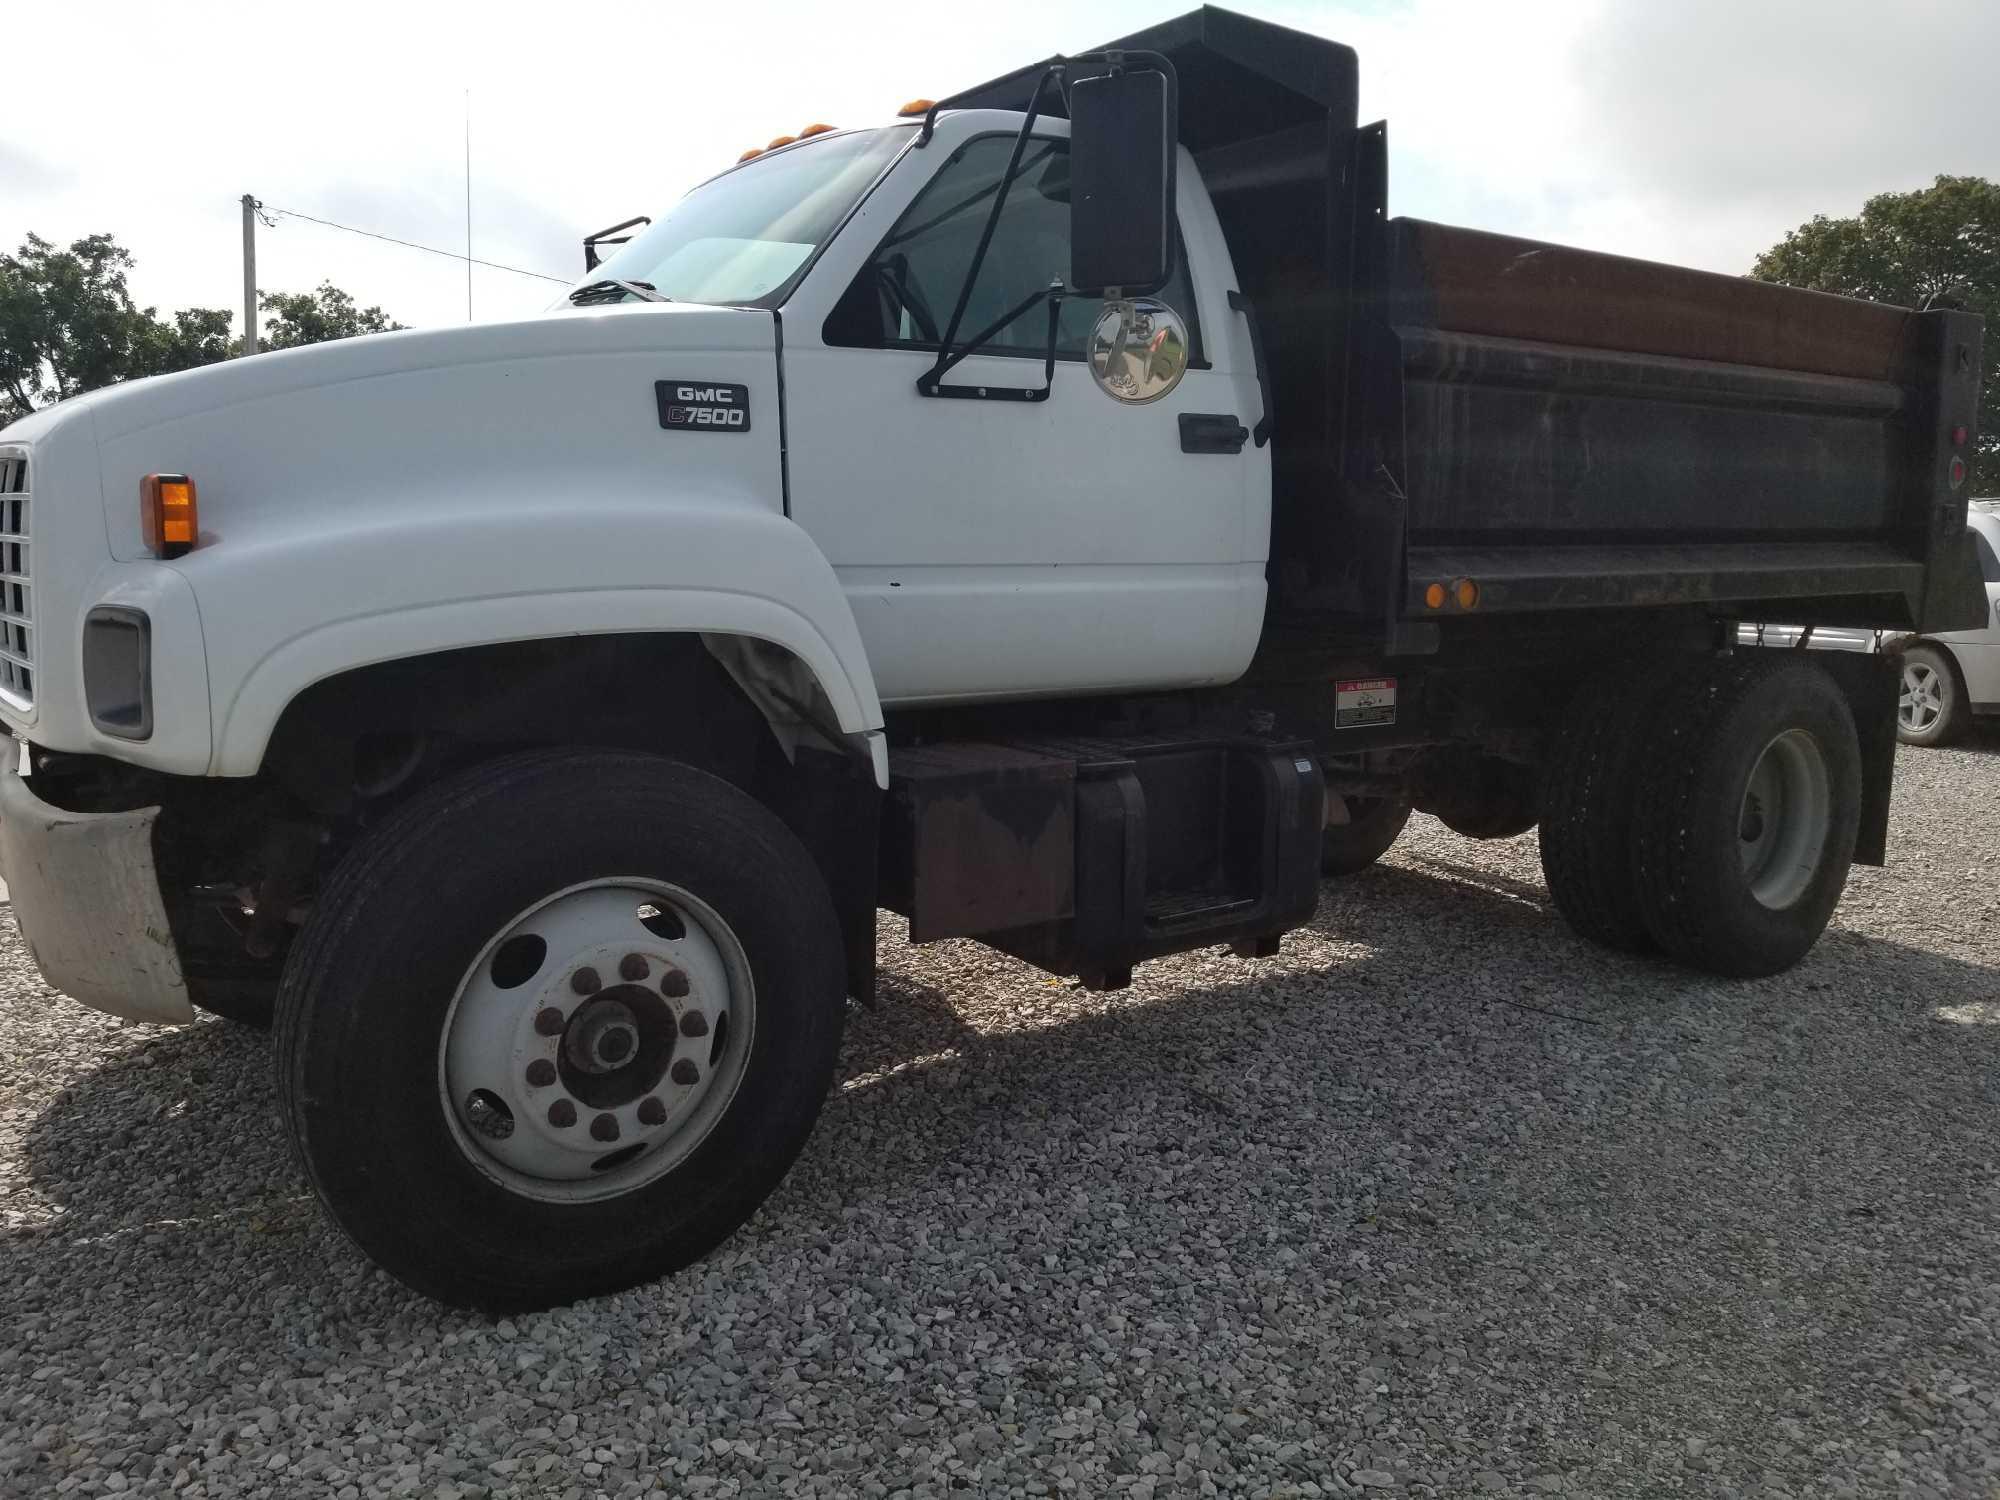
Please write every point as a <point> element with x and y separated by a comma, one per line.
<point>167,514</point>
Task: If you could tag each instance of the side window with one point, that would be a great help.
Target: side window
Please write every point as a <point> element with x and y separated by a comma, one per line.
<point>904,295</point>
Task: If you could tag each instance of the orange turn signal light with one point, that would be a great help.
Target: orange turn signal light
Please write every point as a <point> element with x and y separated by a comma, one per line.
<point>1466,592</point>
<point>916,107</point>
<point>167,515</point>
<point>1434,596</point>
<point>813,130</point>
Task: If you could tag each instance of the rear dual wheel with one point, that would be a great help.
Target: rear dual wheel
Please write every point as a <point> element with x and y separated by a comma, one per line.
<point>559,1027</point>
<point>1709,811</point>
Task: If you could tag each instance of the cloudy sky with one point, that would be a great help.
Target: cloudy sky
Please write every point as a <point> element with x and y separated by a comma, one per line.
<point>1695,131</point>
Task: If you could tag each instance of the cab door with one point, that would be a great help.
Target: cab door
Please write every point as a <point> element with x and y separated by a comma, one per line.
<point>996,547</point>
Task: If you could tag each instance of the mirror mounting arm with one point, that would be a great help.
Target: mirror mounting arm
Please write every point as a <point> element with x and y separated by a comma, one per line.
<point>928,383</point>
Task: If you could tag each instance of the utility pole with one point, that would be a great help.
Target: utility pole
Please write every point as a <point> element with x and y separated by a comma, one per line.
<point>468,205</point>
<point>249,274</point>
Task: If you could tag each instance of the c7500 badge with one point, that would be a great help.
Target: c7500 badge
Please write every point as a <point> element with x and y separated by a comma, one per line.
<point>703,405</point>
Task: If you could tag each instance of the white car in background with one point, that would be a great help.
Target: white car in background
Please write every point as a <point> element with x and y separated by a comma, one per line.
<point>1949,679</point>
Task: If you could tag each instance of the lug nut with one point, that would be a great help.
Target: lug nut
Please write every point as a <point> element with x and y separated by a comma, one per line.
<point>686,1072</point>
<point>604,1128</point>
<point>541,1073</point>
<point>562,1114</point>
<point>585,981</point>
<point>674,984</point>
<point>651,1111</point>
<point>549,1021</point>
<point>694,1023</point>
<point>632,968</point>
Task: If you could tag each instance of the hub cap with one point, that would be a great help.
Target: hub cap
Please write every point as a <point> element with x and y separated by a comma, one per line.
<point>1922,698</point>
<point>1783,823</point>
<point>596,1040</point>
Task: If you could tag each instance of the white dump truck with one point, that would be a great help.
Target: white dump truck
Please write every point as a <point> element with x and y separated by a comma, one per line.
<point>1072,514</point>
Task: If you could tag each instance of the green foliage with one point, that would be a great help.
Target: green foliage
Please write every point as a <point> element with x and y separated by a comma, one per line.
<point>1903,248</point>
<point>68,324</point>
<point>295,318</point>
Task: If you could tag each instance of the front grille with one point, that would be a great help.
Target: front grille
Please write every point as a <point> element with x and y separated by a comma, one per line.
<point>17,595</point>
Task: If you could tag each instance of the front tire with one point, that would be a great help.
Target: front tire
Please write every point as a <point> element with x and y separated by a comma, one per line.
<point>559,1026</point>
<point>1930,706</point>
<point>1749,803</point>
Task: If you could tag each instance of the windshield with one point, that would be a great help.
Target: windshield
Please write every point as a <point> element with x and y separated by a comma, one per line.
<point>741,237</point>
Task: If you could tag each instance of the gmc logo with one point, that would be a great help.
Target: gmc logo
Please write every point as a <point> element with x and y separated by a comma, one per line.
<point>702,406</point>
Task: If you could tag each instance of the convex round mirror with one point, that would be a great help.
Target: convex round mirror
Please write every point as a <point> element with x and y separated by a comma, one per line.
<point>1138,350</point>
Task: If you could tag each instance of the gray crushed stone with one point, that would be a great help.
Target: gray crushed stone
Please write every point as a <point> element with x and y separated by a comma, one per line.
<point>1439,1202</point>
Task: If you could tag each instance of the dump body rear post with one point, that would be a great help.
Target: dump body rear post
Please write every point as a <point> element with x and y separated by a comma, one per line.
<point>1075,516</point>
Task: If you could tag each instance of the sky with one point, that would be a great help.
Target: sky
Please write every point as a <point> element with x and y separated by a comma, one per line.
<point>1693,131</point>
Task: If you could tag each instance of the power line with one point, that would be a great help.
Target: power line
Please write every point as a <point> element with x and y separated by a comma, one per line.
<point>413,245</point>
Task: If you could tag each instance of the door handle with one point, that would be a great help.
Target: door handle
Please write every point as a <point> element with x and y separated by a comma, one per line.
<point>1212,432</point>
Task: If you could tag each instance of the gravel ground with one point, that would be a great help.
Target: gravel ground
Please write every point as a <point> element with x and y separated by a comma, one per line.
<point>1440,1202</point>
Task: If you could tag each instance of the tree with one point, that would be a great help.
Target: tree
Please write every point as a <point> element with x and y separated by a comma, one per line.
<point>1903,248</point>
<point>297,318</point>
<point>68,324</point>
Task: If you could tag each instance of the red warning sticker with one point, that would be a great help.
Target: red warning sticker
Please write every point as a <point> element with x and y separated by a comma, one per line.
<point>1364,702</point>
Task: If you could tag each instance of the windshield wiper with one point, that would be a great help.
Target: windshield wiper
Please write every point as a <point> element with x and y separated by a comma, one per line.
<point>612,290</point>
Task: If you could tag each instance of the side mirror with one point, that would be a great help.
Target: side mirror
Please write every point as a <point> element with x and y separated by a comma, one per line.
<point>1121,170</point>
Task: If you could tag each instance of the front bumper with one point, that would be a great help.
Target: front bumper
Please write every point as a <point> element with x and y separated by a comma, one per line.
<point>87,899</point>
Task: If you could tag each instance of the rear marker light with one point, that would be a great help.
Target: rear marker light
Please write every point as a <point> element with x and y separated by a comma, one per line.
<point>167,514</point>
<point>1956,473</point>
<point>1959,435</point>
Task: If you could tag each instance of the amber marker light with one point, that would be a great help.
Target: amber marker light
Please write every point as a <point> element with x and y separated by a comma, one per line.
<point>1466,592</point>
<point>1434,596</point>
<point>167,515</point>
<point>916,107</point>
<point>812,130</point>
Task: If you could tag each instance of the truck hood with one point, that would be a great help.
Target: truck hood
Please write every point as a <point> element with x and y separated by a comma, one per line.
<point>564,396</point>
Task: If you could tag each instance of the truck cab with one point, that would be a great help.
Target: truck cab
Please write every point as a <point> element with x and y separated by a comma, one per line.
<point>1071,514</point>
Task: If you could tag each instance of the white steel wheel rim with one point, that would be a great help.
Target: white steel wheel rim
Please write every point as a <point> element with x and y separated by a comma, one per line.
<point>1922,699</point>
<point>570,1091</point>
<point>1786,815</point>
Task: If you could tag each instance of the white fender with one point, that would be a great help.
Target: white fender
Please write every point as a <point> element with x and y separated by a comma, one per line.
<point>516,571</point>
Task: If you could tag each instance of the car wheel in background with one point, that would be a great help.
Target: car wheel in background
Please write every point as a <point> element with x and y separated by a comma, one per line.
<point>1930,709</point>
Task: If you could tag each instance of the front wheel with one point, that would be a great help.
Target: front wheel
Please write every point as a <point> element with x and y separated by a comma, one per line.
<point>559,1027</point>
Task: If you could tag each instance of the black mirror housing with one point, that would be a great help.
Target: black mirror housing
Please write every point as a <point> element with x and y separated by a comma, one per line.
<point>1122,146</point>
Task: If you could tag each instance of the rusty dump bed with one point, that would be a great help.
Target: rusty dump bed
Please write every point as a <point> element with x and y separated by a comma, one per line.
<point>1568,430</point>
<point>1585,430</point>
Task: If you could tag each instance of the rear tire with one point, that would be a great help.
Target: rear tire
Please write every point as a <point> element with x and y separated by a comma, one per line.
<point>1930,703</point>
<point>1750,797</point>
<point>1589,793</point>
<point>1373,824</point>
<point>449,942</point>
